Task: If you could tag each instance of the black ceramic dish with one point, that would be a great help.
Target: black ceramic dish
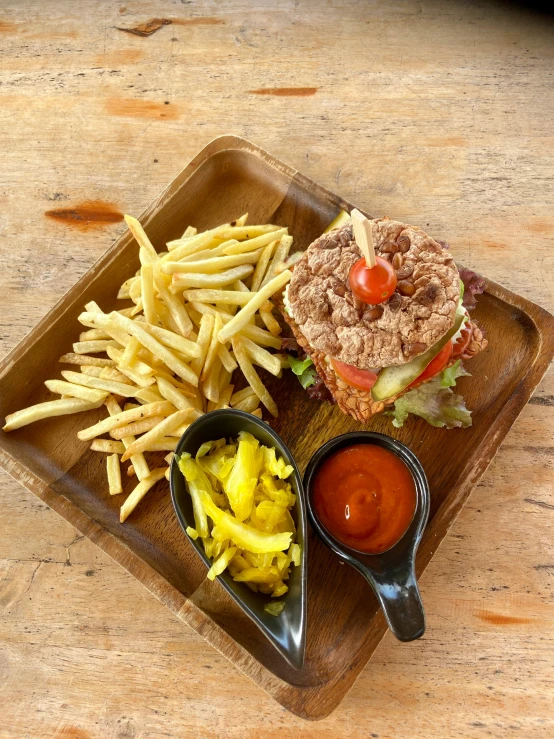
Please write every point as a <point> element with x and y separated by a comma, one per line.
<point>391,574</point>
<point>287,632</point>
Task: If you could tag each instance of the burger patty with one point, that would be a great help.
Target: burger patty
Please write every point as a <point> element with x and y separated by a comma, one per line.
<point>360,403</point>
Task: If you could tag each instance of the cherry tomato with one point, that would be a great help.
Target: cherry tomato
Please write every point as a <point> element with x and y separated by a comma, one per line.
<point>373,285</point>
<point>358,378</point>
<point>436,365</point>
<point>463,342</point>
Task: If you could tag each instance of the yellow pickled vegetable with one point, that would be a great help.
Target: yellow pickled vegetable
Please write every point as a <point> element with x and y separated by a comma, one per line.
<point>242,506</point>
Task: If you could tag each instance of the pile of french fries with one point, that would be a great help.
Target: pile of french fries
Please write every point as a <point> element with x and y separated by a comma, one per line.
<point>199,311</point>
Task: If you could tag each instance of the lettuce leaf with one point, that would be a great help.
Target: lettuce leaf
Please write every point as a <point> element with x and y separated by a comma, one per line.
<point>435,402</point>
<point>451,374</point>
<point>304,370</point>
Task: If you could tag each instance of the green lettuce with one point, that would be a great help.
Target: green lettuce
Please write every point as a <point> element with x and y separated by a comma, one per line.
<point>435,402</point>
<point>304,370</point>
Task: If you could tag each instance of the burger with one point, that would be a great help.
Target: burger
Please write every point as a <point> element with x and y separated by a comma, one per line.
<point>399,356</point>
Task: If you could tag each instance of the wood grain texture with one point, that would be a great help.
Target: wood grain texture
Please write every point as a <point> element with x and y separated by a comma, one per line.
<point>391,133</point>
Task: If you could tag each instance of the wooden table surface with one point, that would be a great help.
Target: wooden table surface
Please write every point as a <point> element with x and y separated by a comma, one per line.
<point>436,113</point>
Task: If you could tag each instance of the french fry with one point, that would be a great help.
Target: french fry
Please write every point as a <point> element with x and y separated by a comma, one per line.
<point>281,253</point>
<point>225,397</point>
<point>173,341</point>
<point>82,359</point>
<point>239,222</point>
<point>167,444</point>
<point>252,376</point>
<point>92,370</point>
<point>162,408</point>
<point>258,413</point>
<point>162,429</point>
<point>291,260</point>
<point>211,383</point>
<point>168,458</point>
<point>48,410</point>
<point>128,373</point>
<point>71,390</point>
<point>139,492</point>
<point>173,394</point>
<point>136,428</point>
<point>270,321</point>
<point>109,373</point>
<point>174,305</point>
<point>187,390</point>
<point>211,266</point>
<point>93,307</point>
<point>148,395</point>
<point>179,431</point>
<point>254,244</point>
<point>93,334</point>
<point>183,247</point>
<point>232,297</point>
<point>248,405</point>
<point>220,279</point>
<point>130,353</point>
<point>147,293</point>
<point>142,239</point>
<point>130,470</point>
<point>108,446</point>
<point>189,231</point>
<point>138,461</point>
<point>99,383</point>
<point>261,266</point>
<point>245,232</point>
<point>243,316</point>
<point>203,342</point>
<point>283,358</point>
<point>92,347</point>
<point>114,474</point>
<point>212,349</point>
<point>124,290</point>
<point>241,395</point>
<point>260,336</point>
<point>135,290</point>
<point>227,360</point>
<point>262,357</point>
<point>128,312</point>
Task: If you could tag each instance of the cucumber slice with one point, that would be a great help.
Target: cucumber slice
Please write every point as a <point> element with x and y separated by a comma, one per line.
<point>392,380</point>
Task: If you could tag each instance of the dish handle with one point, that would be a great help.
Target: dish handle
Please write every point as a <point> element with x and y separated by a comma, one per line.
<point>399,597</point>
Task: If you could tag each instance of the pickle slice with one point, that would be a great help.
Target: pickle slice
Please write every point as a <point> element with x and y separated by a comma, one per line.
<point>392,380</point>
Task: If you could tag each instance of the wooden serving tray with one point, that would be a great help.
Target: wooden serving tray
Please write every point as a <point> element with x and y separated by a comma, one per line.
<point>228,177</point>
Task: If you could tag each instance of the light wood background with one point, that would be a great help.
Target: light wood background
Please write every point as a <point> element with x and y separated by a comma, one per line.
<point>439,113</point>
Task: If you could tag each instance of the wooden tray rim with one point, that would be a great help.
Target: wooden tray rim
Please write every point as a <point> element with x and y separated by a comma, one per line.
<point>314,701</point>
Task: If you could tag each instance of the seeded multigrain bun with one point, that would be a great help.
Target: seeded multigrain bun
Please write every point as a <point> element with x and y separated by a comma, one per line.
<point>417,315</point>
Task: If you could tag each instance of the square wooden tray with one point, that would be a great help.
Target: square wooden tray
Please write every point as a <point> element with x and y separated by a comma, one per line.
<point>227,178</point>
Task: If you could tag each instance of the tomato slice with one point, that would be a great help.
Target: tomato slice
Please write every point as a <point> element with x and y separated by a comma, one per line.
<point>358,378</point>
<point>463,342</point>
<point>436,365</point>
<point>373,285</point>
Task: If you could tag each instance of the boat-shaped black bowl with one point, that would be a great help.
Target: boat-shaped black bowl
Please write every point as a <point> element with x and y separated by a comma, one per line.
<point>287,632</point>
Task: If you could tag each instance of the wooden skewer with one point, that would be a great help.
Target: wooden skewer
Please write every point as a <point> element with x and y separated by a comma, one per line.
<point>363,236</point>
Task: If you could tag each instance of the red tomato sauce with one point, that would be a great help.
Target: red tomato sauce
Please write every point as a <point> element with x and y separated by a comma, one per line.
<point>365,496</point>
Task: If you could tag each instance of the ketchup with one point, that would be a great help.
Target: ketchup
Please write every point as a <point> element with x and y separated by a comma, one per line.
<point>365,497</point>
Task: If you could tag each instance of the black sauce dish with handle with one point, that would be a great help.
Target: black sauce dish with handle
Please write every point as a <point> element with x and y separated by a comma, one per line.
<point>287,632</point>
<point>391,574</point>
